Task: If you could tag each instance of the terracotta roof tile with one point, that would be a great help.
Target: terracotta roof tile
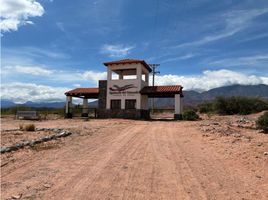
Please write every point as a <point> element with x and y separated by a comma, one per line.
<point>175,89</point>
<point>83,91</point>
<point>128,61</point>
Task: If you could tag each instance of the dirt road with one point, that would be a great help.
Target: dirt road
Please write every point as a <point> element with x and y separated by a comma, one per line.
<point>124,159</point>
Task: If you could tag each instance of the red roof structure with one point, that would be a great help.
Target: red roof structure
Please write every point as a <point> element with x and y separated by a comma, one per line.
<point>84,92</point>
<point>129,61</point>
<point>162,91</point>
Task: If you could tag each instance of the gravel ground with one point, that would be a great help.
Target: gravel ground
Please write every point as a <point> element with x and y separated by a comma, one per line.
<point>215,158</point>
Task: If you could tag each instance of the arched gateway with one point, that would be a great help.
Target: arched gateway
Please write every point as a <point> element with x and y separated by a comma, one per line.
<point>125,93</point>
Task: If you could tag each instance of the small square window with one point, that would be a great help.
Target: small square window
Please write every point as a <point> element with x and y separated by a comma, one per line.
<point>130,104</point>
<point>115,104</point>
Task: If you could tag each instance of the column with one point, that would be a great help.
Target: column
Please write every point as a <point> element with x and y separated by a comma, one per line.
<point>121,76</point>
<point>109,74</point>
<point>178,107</point>
<point>85,108</point>
<point>139,72</point>
<point>147,78</point>
<point>109,78</point>
<point>68,107</point>
<point>123,103</point>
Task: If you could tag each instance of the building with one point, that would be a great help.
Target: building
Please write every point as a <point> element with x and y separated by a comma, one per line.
<point>126,92</point>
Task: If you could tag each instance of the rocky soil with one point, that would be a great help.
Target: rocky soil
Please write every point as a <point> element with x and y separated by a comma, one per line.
<point>217,157</point>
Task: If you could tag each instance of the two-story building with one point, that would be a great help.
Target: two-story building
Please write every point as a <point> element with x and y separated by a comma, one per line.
<point>125,93</point>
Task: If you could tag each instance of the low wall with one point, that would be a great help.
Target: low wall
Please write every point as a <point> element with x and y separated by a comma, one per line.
<point>122,113</point>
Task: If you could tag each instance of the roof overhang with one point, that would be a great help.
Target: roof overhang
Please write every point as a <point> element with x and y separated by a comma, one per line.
<point>129,61</point>
<point>162,91</point>
<point>89,93</point>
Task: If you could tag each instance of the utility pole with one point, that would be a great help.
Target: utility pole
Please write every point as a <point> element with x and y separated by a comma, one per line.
<point>154,72</point>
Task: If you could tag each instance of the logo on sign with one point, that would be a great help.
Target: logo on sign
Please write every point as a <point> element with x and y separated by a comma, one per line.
<point>122,90</point>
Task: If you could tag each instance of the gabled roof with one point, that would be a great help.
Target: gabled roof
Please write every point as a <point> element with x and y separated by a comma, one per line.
<point>162,91</point>
<point>129,61</point>
<point>83,92</point>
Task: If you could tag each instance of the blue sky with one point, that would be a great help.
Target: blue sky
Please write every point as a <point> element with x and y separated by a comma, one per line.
<point>48,47</point>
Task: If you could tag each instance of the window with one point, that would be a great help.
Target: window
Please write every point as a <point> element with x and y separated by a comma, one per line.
<point>115,104</point>
<point>130,104</point>
<point>115,76</point>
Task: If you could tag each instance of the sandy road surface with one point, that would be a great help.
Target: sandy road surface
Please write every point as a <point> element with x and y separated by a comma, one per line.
<point>124,159</point>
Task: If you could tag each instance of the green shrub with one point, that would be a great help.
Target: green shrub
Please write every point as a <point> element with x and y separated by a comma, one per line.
<point>27,127</point>
<point>234,105</point>
<point>206,107</point>
<point>262,122</point>
<point>190,115</point>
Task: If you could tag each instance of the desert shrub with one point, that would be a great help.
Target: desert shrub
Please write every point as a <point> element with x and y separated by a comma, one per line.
<point>27,127</point>
<point>234,105</point>
<point>262,122</point>
<point>190,115</point>
<point>21,126</point>
<point>206,107</point>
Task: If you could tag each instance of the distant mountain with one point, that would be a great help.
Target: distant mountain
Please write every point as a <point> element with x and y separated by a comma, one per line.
<point>44,104</point>
<point>6,103</point>
<point>238,90</point>
<point>191,98</point>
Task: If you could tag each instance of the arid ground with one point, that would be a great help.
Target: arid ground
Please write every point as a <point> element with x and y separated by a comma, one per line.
<point>214,158</point>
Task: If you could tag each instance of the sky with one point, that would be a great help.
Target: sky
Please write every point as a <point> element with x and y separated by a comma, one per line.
<point>51,46</point>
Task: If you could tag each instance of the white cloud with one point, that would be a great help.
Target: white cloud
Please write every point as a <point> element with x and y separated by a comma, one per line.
<point>254,60</point>
<point>77,85</point>
<point>60,26</point>
<point>94,76</point>
<point>21,92</point>
<point>210,79</point>
<point>32,70</point>
<point>15,13</point>
<point>235,21</point>
<point>183,57</point>
<point>116,50</point>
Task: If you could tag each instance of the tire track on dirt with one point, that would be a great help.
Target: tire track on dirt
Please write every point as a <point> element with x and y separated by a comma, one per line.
<point>105,184</point>
<point>189,186</point>
<point>207,167</point>
<point>86,175</point>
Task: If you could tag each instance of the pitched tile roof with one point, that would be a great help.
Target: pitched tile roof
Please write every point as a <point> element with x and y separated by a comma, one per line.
<point>162,90</point>
<point>128,61</point>
<point>83,92</point>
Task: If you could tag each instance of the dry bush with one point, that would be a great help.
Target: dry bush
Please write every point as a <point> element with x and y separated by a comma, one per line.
<point>21,127</point>
<point>262,122</point>
<point>27,127</point>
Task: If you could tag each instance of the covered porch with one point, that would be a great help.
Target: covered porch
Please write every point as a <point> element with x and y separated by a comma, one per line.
<point>82,93</point>
<point>171,91</point>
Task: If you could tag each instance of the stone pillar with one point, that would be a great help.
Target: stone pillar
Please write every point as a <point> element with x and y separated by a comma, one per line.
<point>68,107</point>
<point>85,108</point>
<point>178,107</point>
<point>102,94</point>
<point>121,76</point>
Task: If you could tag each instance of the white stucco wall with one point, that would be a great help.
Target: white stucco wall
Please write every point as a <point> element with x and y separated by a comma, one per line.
<point>131,93</point>
<point>178,104</point>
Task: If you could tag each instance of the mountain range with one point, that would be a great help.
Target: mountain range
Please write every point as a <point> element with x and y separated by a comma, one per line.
<point>191,98</point>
